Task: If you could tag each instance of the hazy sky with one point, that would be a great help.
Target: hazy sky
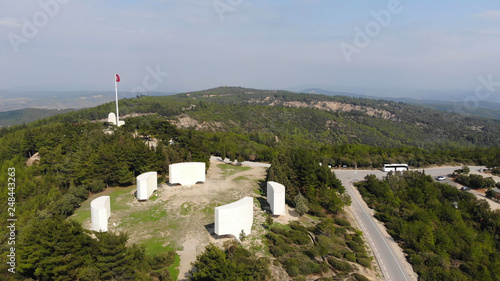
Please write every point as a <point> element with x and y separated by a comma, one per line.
<point>274,44</point>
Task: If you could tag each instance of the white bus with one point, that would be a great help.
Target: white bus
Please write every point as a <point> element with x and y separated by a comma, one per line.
<point>395,167</point>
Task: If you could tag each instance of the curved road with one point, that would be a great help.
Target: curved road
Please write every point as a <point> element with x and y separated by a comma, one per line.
<point>389,255</point>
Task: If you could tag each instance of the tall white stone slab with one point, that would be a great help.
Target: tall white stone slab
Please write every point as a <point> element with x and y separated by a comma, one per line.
<point>276,197</point>
<point>112,118</point>
<point>230,219</point>
<point>100,212</point>
<point>147,183</point>
<point>187,173</point>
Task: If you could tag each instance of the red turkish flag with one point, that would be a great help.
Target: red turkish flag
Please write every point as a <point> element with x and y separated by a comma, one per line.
<point>117,78</point>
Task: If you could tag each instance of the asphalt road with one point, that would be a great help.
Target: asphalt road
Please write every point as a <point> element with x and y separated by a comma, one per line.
<point>389,255</point>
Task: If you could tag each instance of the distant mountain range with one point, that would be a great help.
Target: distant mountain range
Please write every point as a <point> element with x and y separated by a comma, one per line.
<point>14,100</point>
<point>14,104</point>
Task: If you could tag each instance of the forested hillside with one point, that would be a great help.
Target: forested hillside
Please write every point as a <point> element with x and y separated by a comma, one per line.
<point>80,154</point>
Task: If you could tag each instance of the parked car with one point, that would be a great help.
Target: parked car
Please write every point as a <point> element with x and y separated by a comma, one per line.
<point>441,178</point>
<point>465,188</point>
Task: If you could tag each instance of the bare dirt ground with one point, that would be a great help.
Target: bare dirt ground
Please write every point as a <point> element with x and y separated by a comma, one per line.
<point>222,186</point>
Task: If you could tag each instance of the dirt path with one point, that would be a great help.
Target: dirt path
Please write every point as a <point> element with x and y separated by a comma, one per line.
<point>222,186</point>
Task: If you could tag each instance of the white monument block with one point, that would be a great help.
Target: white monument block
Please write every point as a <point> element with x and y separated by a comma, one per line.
<point>187,173</point>
<point>276,197</point>
<point>147,183</point>
<point>112,118</point>
<point>234,217</point>
<point>100,211</point>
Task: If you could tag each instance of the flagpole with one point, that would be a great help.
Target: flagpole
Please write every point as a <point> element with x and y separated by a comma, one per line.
<point>116,95</point>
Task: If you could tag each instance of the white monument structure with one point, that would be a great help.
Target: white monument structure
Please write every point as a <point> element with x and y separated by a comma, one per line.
<point>112,118</point>
<point>147,183</point>
<point>100,211</point>
<point>276,197</point>
<point>234,217</point>
<point>187,173</point>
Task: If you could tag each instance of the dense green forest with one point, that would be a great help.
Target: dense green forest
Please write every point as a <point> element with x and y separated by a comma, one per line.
<point>442,242</point>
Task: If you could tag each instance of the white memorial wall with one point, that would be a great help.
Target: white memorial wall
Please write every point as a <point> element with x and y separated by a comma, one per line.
<point>276,197</point>
<point>187,173</point>
<point>230,219</point>
<point>112,118</point>
<point>147,183</point>
<point>100,212</point>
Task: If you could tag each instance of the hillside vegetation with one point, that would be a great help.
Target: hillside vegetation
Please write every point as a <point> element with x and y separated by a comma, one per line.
<point>80,155</point>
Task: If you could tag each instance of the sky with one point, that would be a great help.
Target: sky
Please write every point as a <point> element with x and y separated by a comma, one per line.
<point>391,47</point>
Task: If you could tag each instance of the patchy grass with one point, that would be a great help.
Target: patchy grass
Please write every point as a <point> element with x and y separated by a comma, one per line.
<point>154,246</point>
<point>209,209</point>
<point>174,268</point>
<point>152,214</point>
<point>82,213</point>
<point>240,178</point>
<point>117,195</point>
<point>153,197</point>
<point>186,208</point>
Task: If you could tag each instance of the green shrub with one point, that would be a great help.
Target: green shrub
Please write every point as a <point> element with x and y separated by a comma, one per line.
<point>360,277</point>
<point>275,239</point>
<point>316,210</point>
<point>350,257</point>
<point>323,266</point>
<point>298,237</point>
<point>366,262</point>
<point>326,245</point>
<point>269,220</point>
<point>278,230</point>
<point>362,255</point>
<point>339,265</point>
<point>342,222</point>
<point>293,271</point>
<point>358,239</point>
<point>276,251</point>
<point>301,204</point>
<point>340,231</point>
<point>312,252</point>
<point>295,225</point>
<point>355,246</point>
<point>309,267</point>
